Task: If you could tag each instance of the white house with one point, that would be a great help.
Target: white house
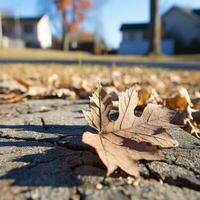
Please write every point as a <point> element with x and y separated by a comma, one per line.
<point>30,32</point>
<point>180,29</point>
<point>182,24</point>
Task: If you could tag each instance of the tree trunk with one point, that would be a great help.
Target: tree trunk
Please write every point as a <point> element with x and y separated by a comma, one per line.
<point>1,32</point>
<point>155,36</point>
<point>66,34</point>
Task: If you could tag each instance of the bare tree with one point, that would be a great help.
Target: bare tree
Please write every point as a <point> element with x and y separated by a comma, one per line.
<point>155,36</point>
<point>69,13</point>
<point>79,9</point>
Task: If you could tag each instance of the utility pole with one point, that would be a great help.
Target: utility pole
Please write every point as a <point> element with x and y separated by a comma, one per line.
<point>17,28</point>
<point>1,32</point>
<point>155,36</point>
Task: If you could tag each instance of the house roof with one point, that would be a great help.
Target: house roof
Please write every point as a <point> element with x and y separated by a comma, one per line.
<point>133,26</point>
<point>194,14</point>
<point>197,11</point>
<point>185,11</point>
<point>30,18</point>
<point>27,19</point>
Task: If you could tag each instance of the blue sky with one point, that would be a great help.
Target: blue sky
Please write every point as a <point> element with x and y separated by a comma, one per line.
<point>108,18</point>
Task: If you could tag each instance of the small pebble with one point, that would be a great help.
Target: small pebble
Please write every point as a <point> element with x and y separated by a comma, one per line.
<point>114,188</point>
<point>99,186</point>
<point>129,180</point>
<point>136,182</point>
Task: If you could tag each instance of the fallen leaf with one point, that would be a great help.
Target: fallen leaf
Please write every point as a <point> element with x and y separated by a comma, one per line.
<point>144,95</point>
<point>191,121</point>
<point>64,92</point>
<point>130,138</point>
<point>155,97</point>
<point>189,118</point>
<point>179,101</point>
<point>53,81</point>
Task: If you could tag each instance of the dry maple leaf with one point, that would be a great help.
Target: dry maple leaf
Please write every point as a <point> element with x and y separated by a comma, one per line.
<point>123,142</point>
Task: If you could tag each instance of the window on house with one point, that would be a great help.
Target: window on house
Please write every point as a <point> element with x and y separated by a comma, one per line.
<point>127,36</point>
<point>8,30</point>
<point>138,35</point>
<point>28,29</point>
<point>133,35</point>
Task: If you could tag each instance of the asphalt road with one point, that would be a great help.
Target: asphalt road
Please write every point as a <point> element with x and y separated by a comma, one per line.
<point>187,65</point>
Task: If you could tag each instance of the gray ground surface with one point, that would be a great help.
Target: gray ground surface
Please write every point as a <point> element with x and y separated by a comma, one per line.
<point>188,65</point>
<point>38,162</point>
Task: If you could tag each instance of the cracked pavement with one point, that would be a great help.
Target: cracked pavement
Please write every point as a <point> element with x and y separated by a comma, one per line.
<point>40,159</point>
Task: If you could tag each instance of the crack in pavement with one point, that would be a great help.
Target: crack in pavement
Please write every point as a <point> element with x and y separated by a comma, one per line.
<point>52,141</point>
<point>170,180</point>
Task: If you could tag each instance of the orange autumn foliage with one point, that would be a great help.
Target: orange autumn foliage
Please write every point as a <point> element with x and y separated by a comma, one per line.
<point>63,4</point>
<point>79,8</point>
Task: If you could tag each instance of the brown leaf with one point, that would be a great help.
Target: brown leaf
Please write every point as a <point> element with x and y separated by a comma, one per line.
<point>189,118</point>
<point>179,101</point>
<point>143,95</point>
<point>130,138</point>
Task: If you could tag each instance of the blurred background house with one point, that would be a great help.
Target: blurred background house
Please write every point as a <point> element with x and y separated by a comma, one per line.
<point>25,32</point>
<point>35,32</point>
<point>180,33</point>
<point>87,42</point>
<point>83,41</point>
<point>183,26</point>
<point>135,40</point>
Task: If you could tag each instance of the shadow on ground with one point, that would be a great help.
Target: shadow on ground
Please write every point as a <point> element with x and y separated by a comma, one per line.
<point>61,161</point>
<point>50,128</point>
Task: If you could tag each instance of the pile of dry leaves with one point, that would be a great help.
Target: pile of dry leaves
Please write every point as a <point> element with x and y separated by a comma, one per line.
<point>177,90</point>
